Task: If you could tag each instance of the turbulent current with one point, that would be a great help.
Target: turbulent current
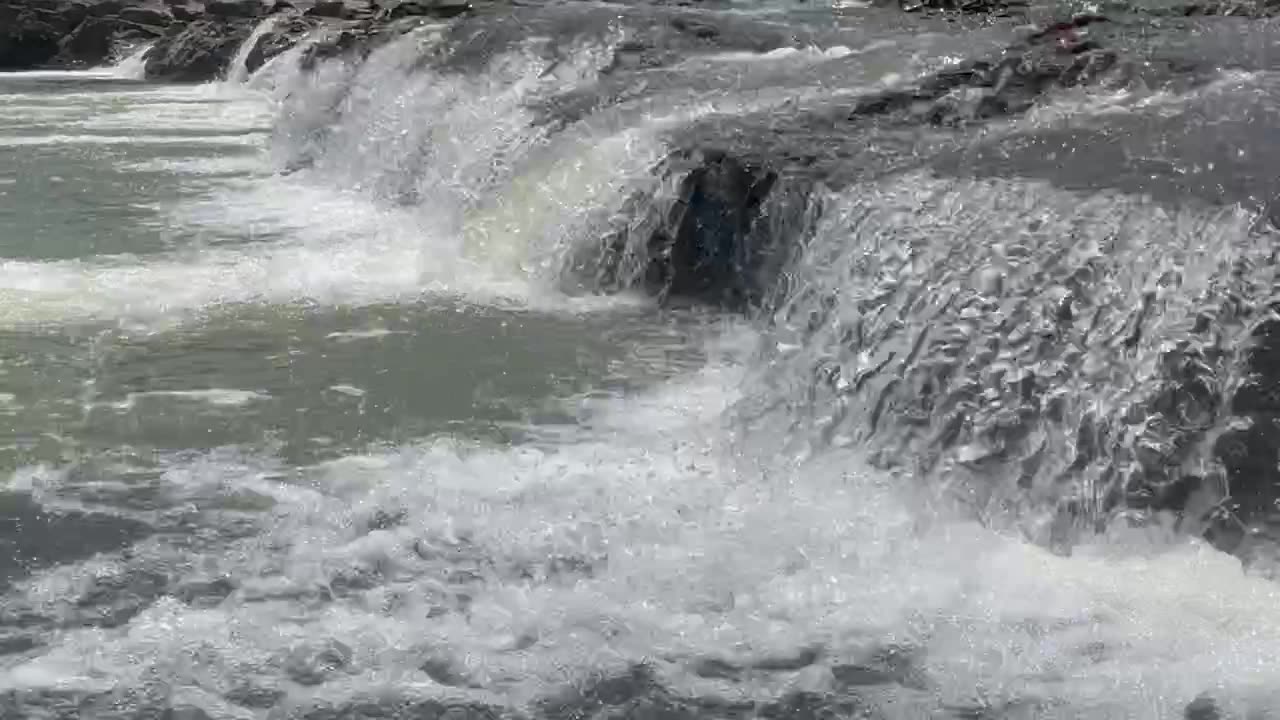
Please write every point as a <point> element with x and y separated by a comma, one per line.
<point>351,386</point>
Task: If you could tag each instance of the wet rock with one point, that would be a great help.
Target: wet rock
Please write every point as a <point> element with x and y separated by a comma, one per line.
<point>708,242</point>
<point>340,9</point>
<point>235,8</point>
<point>286,33</point>
<point>704,241</point>
<point>152,16</point>
<point>1202,708</point>
<point>394,9</point>
<point>96,39</point>
<point>30,36</point>
<point>198,52</point>
<point>312,664</point>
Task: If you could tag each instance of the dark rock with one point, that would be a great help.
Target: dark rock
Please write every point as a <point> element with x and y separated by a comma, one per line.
<point>703,243</point>
<point>1202,708</point>
<point>96,40</point>
<point>741,195</point>
<point>235,8</point>
<point>286,33</point>
<point>198,52</point>
<point>985,7</point>
<point>29,38</point>
<point>394,9</point>
<point>151,16</point>
<point>184,12</point>
<point>340,9</point>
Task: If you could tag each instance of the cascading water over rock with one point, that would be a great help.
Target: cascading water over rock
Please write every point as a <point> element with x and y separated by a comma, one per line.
<point>622,360</point>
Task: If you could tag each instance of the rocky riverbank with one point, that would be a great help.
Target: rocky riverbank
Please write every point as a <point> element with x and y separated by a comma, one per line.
<point>193,41</point>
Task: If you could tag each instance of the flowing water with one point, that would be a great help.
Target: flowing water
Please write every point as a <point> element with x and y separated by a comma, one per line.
<point>304,413</point>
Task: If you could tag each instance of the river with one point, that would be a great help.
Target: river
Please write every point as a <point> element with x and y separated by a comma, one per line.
<point>301,415</point>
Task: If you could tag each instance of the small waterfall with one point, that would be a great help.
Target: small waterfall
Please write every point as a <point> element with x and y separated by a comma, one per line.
<point>1041,357</point>
<point>134,65</point>
<point>461,151</point>
<point>238,72</point>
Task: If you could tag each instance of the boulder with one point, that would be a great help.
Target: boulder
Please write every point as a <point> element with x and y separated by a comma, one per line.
<point>29,35</point>
<point>96,39</point>
<point>704,241</point>
<point>235,8</point>
<point>286,33</point>
<point>198,52</point>
<point>425,8</point>
<point>340,9</point>
<point>150,15</point>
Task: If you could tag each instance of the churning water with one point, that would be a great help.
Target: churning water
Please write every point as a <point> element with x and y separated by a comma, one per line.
<point>307,413</point>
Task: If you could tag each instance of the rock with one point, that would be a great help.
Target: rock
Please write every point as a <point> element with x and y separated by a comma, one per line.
<point>152,16</point>
<point>312,664</point>
<point>96,39</point>
<point>427,8</point>
<point>985,7</point>
<point>198,52</point>
<point>286,33</point>
<point>1202,708</point>
<point>235,8</point>
<point>183,12</point>
<point>341,9</point>
<point>703,243</point>
<point>30,37</point>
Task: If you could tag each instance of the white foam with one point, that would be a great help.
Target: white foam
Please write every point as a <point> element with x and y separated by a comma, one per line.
<point>355,335</point>
<point>805,54</point>
<point>696,552</point>
<point>217,397</point>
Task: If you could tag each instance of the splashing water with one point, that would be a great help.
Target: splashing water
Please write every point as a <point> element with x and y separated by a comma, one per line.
<point>849,505</point>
